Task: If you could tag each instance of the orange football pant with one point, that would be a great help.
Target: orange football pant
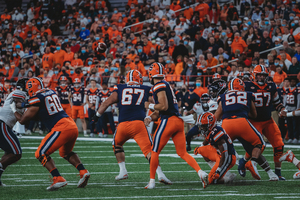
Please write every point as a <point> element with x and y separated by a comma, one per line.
<point>136,130</point>
<point>62,137</point>
<point>167,128</point>
<point>77,110</point>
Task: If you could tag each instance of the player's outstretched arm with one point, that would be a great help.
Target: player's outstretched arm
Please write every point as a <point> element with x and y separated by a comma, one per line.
<point>69,99</point>
<point>162,104</point>
<point>252,114</point>
<point>113,98</point>
<point>219,112</point>
<point>27,116</point>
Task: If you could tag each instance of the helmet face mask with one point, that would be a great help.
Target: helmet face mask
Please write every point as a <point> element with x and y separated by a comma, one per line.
<point>156,70</point>
<point>261,78</point>
<point>204,130</point>
<point>21,84</point>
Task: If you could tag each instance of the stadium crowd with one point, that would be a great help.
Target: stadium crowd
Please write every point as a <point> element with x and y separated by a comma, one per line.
<point>195,41</point>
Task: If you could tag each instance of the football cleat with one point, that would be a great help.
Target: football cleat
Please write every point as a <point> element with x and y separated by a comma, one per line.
<point>151,185</point>
<point>121,177</point>
<point>164,180</point>
<point>203,177</point>
<point>251,166</point>
<point>281,178</point>
<point>273,176</point>
<point>58,182</point>
<point>84,178</point>
<point>296,175</point>
<point>85,135</point>
<point>188,148</point>
<point>2,184</point>
<point>241,167</point>
<point>100,135</point>
<point>288,156</point>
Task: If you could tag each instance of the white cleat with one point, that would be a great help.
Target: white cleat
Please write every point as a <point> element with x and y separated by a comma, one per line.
<point>41,132</point>
<point>105,135</point>
<point>164,180</point>
<point>296,175</point>
<point>100,135</point>
<point>229,177</point>
<point>58,182</point>
<point>151,185</point>
<point>28,132</point>
<point>121,177</point>
<point>92,135</point>
<point>273,176</point>
<point>288,156</point>
<point>203,177</point>
<point>83,179</point>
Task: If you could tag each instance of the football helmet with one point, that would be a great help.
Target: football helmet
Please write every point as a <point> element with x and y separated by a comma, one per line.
<point>217,88</point>
<point>77,83</point>
<point>204,98</point>
<point>260,70</point>
<point>247,77</point>
<point>63,81</point>
<point>21,84</point>
<point>236,84</point>
<point>240,75</point>
<point>134,77</point>
<point>206,122</point>
<point>216,76</point>
<point>34,85</point>
<point>156,70</point>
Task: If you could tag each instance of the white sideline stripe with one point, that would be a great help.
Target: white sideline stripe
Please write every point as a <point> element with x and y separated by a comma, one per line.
<point>133,141</point>
<point>176,196</point>
<point>287,197</point>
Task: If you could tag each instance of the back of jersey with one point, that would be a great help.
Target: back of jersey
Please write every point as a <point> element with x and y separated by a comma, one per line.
<point>262,99</point>
<point>172,101</point>
<point>217,134</point>
<point>131,101</point>
<point>236,104</point>
<point>50,109</point>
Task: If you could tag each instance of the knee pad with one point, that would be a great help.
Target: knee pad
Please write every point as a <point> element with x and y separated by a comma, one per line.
<point>118,149</point>
<point>44,159</point>
<point>278,151</point>
<point>67,157</point>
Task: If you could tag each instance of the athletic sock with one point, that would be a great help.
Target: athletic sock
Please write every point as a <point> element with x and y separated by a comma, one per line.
<point>80,167</point>
<point>278,171</point>
<point>54,172</point>
<point>295,161</point>
<point>122,168</point>
<point>159,171</point>
<point>153,164</point>
<point>265,166</point>
<point>84,132</point>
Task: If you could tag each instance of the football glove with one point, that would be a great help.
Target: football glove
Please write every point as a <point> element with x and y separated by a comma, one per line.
<point>94,120</point>
<point>196,150</point>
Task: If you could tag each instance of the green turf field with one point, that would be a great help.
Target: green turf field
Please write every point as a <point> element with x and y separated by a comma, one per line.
<point>27,179</point>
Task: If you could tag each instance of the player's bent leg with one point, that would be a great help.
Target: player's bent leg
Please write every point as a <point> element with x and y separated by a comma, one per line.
<point>265,165</point>
<point>192,132</point>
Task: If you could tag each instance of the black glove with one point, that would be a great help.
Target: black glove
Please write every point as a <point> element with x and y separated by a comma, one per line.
<point>94,120</point>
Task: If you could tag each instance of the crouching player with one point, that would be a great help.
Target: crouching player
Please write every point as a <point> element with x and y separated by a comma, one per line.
<point>216,140</point>
<point>45,104</point>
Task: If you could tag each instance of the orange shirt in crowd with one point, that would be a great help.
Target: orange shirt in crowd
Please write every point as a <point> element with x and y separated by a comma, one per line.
<point>53,83</point>
<point>135,2</point>
<point>58,57</point>
<point>171,50</point>
<point>203,9</point>
<point>240,45</point>
<point>102,4</point>
<point>212,62</point>
<point>200,90</point>
<point>76,63</point>
<point>146,48</point>
<point>188,13</point>
<point>178,68</point>
<point>47,59</point>
<point>287,57</point>
<point>115,16</point>
<point>68,56</point>
<point>18,43</point>
<point>5,17</point>
<point>278,78</point>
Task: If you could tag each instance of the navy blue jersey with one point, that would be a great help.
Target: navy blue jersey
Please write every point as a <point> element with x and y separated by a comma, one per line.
<point>263,96</point>
<point>92,95</point>
<point>50,109</point>
<point>172,101</point>
<point>282,93</point>
<point>103,96</point>
<point>131,100</point>
<point>236,104</point>
<point>292,96</point>
<point>191,99</point>
<point>177,95</point>
<point>77,95</point>
<point>216,135</point>
<point>63,93</point>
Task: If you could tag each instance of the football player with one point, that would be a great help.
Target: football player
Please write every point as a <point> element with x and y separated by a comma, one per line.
<point>170,125</point>
<point>235,107</point>
<point>107,116</point>
<point>205,105</point>
<point>130,98</point>
<point>266,95</point>
<point>91,97</point>
<point>9,142</point>
<point>44,104</point>
<point>76,98</point>
<point>217,88</point>
<point>216,139</point>
<point>63,92</point>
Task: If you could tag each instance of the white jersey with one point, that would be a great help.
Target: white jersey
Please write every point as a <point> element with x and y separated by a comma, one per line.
<point>213,105</point>
<point>6,114</point>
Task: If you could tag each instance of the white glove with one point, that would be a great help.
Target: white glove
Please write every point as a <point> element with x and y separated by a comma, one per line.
<point>13,107</point>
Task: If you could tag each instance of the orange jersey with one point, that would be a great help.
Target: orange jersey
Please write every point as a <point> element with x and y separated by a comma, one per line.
<point>47,59</point>
<point>58,57</point>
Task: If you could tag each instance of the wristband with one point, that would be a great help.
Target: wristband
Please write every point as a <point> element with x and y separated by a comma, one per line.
<point>98,114</point>
<point>151,106</point>
<point>289,114</point>
<point>148,117</point>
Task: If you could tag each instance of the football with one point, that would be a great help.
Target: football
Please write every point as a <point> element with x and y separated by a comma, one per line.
<point>101,48</point>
